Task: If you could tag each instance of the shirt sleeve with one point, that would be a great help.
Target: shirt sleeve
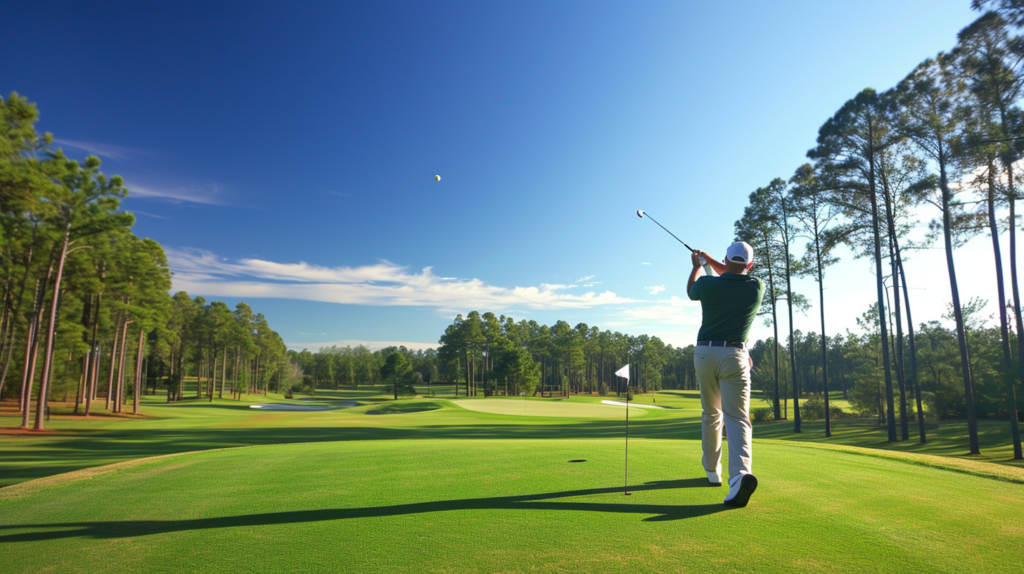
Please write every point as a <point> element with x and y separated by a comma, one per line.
<point>694,291</point>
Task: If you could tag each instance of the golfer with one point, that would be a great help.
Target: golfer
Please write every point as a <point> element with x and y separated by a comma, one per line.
<point>729,304</point>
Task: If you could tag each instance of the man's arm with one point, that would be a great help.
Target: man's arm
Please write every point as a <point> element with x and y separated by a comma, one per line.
<point>715,264</point>
<point>695,257</point>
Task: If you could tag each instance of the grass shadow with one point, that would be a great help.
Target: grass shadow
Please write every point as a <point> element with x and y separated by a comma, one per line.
<point>135,528</point>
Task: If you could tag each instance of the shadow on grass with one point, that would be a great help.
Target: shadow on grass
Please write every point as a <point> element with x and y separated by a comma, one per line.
<point>134,528</point>
<point>88,448</point>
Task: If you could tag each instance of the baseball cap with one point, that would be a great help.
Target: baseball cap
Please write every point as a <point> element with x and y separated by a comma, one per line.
<point>740,251</point>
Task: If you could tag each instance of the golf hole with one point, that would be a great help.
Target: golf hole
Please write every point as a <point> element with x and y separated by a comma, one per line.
<point>579,460</point>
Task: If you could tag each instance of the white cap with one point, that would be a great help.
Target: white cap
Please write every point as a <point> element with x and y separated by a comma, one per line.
<point>740,251</point>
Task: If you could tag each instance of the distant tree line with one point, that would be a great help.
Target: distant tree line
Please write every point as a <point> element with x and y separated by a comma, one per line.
<point>84,304</point>
<point>485,354</point>
<point>948,137</point>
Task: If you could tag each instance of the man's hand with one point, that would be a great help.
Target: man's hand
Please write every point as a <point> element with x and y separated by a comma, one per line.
<point>695,257</point>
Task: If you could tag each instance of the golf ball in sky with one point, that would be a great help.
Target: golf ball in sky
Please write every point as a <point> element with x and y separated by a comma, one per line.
<point>437,178</point>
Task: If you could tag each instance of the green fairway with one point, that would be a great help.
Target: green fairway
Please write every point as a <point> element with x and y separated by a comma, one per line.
<point>507,506</point>
<point>472,485</point>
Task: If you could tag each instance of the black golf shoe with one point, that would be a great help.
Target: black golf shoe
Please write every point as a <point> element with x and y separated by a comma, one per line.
<point>740,489</point>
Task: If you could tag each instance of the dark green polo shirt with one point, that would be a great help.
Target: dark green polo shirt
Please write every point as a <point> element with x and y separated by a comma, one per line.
<point>729,304</point>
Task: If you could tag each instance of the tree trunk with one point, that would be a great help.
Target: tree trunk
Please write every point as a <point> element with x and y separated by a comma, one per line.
<point>915,380</point>
<point>961,335</point>
<point>890,217</point>
<point>872,193</point>
<point>1007,370</point>
<point>1013,283</point>
<point>213,377</point>
<point>824,339</point>
<point>113,363</point>
<point>792,346</point>
<point>31,352</point>
<point>223,373</point>
<point>775,320</point>
<point>138,371</point>
<point>14,312</point>
<point>44,387</point>
<point>119,394</point>
<point>93,356</point>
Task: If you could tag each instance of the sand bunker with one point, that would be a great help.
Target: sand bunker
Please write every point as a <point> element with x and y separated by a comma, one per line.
<point>638,405</point>
<point>290,407</point>
<point>546,409</point>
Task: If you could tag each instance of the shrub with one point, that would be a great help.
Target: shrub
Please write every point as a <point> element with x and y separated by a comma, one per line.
<point>762,415</point>
<point>605,390</point>
<point>813,409</point>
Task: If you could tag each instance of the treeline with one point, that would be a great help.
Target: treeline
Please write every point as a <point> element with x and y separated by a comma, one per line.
<point>855,369</point>
<point>948,138</point>
<point>485,354</point>
<point>85,305</point>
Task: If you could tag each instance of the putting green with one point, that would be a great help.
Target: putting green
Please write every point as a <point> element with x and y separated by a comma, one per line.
<point>520,407</point>
<point>506,506</point>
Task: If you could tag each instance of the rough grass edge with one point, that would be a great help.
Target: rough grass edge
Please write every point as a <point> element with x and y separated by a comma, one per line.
<point>972,467</point>
<point>23,489</point>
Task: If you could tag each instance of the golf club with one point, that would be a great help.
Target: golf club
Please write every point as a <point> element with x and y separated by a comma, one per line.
<point>641,213</point>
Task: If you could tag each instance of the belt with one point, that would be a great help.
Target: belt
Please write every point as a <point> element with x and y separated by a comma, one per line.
<point>734,344</point>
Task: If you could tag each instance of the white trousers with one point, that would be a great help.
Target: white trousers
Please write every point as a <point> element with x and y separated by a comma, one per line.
<point>723,374</point>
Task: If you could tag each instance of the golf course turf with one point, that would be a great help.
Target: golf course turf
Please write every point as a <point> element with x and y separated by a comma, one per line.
<point>431,486</point>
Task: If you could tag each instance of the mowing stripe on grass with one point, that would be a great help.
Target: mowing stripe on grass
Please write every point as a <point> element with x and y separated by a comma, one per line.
<point>972,467</point>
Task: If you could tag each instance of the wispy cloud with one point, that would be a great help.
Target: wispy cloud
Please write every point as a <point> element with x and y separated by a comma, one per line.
<point>381,284</point>
<point>210,194</point>
<point>137,212</point>
<point>102,150</point>
<point>656,289</point>
<point>582,279</point>
<point>675,320</point>
<point>644,263</point>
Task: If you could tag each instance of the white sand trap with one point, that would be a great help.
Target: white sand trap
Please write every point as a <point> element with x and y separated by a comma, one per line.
<point>288,407</point>
<point>638,405</point>
<point>546,409</point>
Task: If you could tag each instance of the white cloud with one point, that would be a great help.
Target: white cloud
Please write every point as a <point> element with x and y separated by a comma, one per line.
<point>587,278</point>
<point>102,150</point>
<point>656,289</point>
<point>211,194</point>
<point>675,321</point>
<point>644,263</point>
<point>381,284</point>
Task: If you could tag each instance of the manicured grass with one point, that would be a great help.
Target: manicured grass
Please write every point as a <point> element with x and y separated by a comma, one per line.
<point>512,505</point>
<point>473,485</point>
<point>197,424</point>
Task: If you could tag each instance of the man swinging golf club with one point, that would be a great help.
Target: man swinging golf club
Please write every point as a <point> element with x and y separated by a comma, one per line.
<point>729,304</point>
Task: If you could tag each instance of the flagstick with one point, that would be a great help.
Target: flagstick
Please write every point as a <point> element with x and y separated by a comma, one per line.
<point>624,374</point>
<point>625,486</point>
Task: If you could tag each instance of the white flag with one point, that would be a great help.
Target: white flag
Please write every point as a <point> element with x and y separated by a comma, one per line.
<point>623,372</point>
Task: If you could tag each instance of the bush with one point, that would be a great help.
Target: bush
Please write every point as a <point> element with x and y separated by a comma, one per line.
<point>605,390</point>
<point>813,409</point>
<point>762,415</point>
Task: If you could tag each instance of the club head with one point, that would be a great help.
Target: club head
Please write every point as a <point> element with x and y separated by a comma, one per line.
<point>640,213</point>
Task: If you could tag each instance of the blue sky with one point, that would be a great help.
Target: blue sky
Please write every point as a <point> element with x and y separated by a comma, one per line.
<point>284,153</point>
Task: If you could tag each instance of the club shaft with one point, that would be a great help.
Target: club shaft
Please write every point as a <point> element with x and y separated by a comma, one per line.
<point>647,215</point>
